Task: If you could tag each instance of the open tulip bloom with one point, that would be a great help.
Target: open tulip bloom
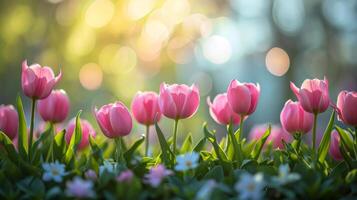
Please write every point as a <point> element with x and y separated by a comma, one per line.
<point>82,161</point>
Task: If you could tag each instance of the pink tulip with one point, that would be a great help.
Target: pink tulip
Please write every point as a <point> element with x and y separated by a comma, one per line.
<point>114,120</point>
<point>295,119</point>
<point>276,136</point>
<point>87,130</point>
<point>335,146</point>
<point>243,97</point>
<point>55,107</point>
<point>178,101</point>
<point>37,82</point>
<point>145,107</point>
<point>347,107</point>
<point>313,95</point>
<point>9,121</point>
<point>221,111</point>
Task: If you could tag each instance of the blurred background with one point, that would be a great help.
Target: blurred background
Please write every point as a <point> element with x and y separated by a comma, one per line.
<point>108,50</point>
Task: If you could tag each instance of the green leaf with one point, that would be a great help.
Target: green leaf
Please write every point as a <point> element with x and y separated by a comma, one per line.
<point>22,136</point>
<point>212,138</point>
<point>237,147</point>
<point>59,146</point>
<point>260,144</point>
<point>43,138</point>
<point>167,155</point>
<point>130,152</point>
<point>215,173</point>
<point>9,147</point>
<point>187,144</point>
<point>200,145</point>
<point>345,138</point>
<point>325,142</point>
<point>75,139</point>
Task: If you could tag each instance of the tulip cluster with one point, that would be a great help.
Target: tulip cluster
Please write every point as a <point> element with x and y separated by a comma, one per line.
<point>179,102</point>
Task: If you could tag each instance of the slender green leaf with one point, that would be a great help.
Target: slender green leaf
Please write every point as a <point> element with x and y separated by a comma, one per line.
<point>345,138</point>
<point>260,144</point>
<point>325,142</point>
<point>22,136</point>
<point>130,152</point>
<point>187,144</point>
<point>200,145</point>
<point>215,173</point>
<point>75,139</point>
<point>167,155</point>
<point>9,147</point>
<point>59,146</point>
<point>43,138</point>
<point>212,138</point>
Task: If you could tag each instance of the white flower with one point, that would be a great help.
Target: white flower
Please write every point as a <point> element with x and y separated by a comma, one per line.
<point>80,188</point>
<point>206,190</point>
<point>53,171</point>
<point>108,166</point>
<point>250,187</point>
<point>187,161</point>
<point>285,176</point>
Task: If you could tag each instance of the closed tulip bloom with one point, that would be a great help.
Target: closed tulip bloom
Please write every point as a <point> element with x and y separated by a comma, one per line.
<point>9,121</point>
<point>313,95</point>
<point>145,107</point>
<point>276,136</point>
<point>55,107</point>
<point>114,120</point>
<point>347,107</point>
<point>221,111</point>
<point>243,97</point>
<point>178,101</point>
<point>87,130</point>
<point>335,146</point>
<point>295,119</point>
<point>37,82</point>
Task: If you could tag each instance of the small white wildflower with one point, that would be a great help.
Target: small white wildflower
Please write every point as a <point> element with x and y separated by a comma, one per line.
<point>206,190</point>
<point>53,171</point>
<point>250,187</point>
<point>285,176</point>
<point>80,188</point>
<point>108,166</point>
<point>187,161</point>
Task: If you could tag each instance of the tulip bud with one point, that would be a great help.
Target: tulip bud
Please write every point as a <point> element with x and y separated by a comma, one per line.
<point>178,101</point>
<point>276,136</point>
<point>55,107</point>
<point>221,111</point>
<point>9,120</point>
<point>295,119</point>
<point>313,95</point>
<point>145,108</point>
<point>114,120</point>
<point>37,82</point>
<point>243,97</point>
<point>335,146</point>
<point>347,107</point>
<point>87,130</point>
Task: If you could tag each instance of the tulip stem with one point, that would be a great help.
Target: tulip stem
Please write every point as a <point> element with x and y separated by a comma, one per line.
<point>240,129</point>
<point>297,137</point>
<point>314,134</point>
<point>50,151</point>
<point>119,150</point>
<point>147,140</point>
<point>33,106</point>
<point>175,137</point>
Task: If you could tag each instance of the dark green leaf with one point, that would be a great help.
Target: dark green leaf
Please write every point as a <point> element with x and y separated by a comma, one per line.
<point>167,155</point>
<point>325,142</point>
<point>260,144</point>
<point>200,145</point>
<point>75,139</point>
<point>22,136</point>
<point>212,138</point>
<point>130,152</point>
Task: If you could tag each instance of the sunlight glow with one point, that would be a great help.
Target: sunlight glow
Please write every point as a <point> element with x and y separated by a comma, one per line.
<point>217,49</point>
<point>91,76</point>
<point>99,13</point>
<point>277,61</point>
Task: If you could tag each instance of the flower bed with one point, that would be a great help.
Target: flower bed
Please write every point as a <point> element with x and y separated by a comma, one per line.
<point>273,163</point>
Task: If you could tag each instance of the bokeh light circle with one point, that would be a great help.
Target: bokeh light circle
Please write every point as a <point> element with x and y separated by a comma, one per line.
<point>277,61</point>
<point>91,76</point>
